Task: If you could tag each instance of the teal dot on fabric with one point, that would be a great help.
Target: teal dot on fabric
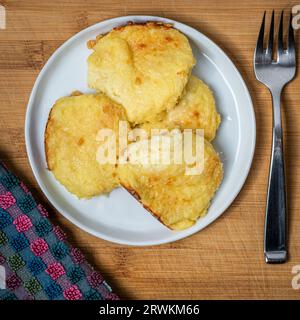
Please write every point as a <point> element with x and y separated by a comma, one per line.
<point>26,203</point>
<point>75,274</point>
<point>19,242</point>
<point>36,266</point>
<point>9,181</point>
<point>9,296</point>
<point>59,250</point>
<point>5,219</point>
<point>92,294</point>
<point>43,228</point>
<point>53,291</point>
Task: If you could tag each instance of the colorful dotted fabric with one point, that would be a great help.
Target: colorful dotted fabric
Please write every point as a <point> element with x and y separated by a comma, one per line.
<point>38,261</point>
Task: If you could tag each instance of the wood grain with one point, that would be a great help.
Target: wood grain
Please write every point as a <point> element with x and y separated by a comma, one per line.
<point>226,259</point>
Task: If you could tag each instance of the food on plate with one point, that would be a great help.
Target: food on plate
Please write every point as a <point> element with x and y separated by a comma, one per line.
<point>176,198</point>
<point>144,67</point>
<point>71,143</point>
<point>195,110</point>
<point>142,76</point>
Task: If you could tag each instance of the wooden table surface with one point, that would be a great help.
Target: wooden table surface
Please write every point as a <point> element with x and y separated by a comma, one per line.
<point>226,259</point>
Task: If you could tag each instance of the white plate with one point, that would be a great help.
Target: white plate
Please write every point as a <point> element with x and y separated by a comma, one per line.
<point>119,217</point>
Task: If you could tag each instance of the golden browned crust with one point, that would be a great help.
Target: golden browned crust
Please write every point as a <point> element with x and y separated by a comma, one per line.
<point>71,147</point>
<point>135,194</point>
<point>46,135</point>
<point>148,24</point>
<point>195,110</point>
<point>155,24</point>
<point>139,60</point>
<point>176,198</point>
<point>76,93</point>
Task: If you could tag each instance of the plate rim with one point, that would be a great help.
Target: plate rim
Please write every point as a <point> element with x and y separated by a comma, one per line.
<point>64,212</point>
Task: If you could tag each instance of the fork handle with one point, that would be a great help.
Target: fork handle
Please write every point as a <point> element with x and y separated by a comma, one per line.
<point>275,224</point>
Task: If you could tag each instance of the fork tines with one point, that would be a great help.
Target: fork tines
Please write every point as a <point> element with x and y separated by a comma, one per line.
<point>265,54</point>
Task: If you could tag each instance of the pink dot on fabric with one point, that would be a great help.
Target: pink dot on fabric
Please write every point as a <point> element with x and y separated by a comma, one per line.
<point>7,200</point>
<point>59,233</point>
<point>55,270</point>
<point>95,279</point>
<point>22,223</point>
<point>39,246</point>
<point>111,296</point>
<point>42,210</point>
<point>24,187</point>
<point>72,293</point>
<point>77,255</point>
<point>13,282</point>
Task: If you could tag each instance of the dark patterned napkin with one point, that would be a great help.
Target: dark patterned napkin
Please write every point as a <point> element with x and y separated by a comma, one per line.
<point>36,261</point>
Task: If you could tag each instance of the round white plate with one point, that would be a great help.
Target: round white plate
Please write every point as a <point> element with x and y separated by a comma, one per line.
<point>119,217</point>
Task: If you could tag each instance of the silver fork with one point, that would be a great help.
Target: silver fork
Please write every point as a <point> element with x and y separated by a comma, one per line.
<point>275,74</point>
